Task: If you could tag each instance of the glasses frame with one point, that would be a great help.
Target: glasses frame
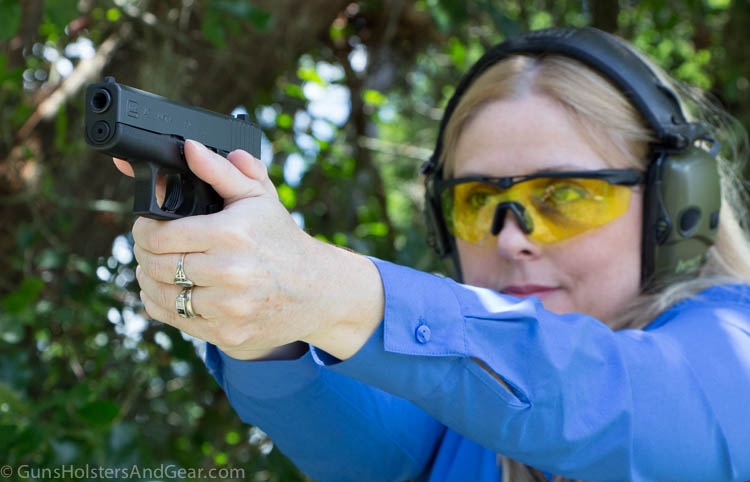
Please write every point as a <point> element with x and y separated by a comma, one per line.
<point>621,177</point>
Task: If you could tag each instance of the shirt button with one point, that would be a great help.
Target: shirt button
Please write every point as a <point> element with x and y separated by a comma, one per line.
<point>423,333</point>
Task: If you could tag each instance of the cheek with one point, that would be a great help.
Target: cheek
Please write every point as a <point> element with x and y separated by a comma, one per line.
<point>604,267</point>
<point>479,263</point>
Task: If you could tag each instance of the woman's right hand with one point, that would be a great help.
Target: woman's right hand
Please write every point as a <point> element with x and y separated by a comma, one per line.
<point>285,352</point>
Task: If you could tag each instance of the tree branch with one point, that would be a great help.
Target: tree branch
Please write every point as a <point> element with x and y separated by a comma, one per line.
<point>86,71</point>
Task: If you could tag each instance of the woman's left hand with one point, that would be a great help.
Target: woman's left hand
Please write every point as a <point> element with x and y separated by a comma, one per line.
<point>261,282</point>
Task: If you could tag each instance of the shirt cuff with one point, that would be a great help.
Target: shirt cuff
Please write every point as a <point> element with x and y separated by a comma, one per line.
<point>262,379</point>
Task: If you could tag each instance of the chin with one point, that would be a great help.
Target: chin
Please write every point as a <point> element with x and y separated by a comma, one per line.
<point>557,303</point>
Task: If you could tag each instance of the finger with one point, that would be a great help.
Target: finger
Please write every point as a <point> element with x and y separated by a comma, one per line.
<point>123,166</point>
<point>165,294</point>
<point>197,267</point>
<point>253,168</point>
<point>161,181</point>
<point>183,235</point>
<point>222,175</point>
<point>192,326</point>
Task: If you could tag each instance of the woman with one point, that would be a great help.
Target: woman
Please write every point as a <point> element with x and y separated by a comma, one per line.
<point>553,188</point>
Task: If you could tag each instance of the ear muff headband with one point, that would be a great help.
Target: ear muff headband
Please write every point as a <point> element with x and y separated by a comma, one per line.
<point>657,103</point>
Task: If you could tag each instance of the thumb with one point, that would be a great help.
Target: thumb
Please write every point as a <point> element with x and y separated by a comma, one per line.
<point>253,168</point>
<point>226,179</point>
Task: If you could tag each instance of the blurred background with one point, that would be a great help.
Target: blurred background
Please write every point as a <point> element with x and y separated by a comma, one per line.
<point>349,97</point>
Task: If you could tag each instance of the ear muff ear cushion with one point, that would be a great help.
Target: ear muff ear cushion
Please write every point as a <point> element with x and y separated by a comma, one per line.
<point>681,216</point>
<point>437,236</point>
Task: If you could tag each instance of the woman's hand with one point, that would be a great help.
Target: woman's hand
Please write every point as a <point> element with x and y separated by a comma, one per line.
<point>260,281</point>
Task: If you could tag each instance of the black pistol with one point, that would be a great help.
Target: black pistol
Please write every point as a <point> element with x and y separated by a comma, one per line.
<point>149,131</point>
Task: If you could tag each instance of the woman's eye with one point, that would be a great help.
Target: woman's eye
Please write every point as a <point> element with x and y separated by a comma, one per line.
<point>477,199</point>
<point>563,193</point>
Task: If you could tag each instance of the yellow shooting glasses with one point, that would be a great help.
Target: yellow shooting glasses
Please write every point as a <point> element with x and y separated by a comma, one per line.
<point>549,206</point>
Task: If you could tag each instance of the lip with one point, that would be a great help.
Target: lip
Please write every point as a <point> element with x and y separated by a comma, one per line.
<point>528,290</point>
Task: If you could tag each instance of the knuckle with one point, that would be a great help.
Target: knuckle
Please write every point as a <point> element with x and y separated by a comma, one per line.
<point>236,310</point>
<point>149,241</point>
<point>235,275</point>
<point>151,268</point>
<point>262,168</point>
<point>153,242</point>
<point>150,310</point>
<point>164,299</point>
<point>235,234</point>
<point>232,336</point>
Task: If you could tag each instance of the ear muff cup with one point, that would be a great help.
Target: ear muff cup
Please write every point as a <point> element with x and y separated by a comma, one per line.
<point>681,212</point>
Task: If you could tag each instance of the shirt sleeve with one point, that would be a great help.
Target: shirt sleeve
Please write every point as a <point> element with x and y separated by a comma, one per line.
<point>583,401</point>
<point>329,425</point>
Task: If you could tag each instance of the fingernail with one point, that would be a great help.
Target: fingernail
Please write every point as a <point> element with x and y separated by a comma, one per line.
<point>196,144</point>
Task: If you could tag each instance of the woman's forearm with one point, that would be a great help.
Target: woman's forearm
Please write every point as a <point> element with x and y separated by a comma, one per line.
<point>355,302</point>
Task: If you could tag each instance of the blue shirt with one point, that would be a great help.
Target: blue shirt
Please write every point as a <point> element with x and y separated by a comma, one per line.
<point>671,402</point>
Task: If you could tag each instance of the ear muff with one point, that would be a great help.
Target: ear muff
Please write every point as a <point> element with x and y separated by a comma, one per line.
<point>681,215</point>
<point>682,198</point>
<point>437,234</point>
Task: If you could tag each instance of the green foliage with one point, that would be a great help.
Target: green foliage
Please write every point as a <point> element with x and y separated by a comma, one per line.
<point>84,377</point>
<point>225,18</point>
<point>10,18</point>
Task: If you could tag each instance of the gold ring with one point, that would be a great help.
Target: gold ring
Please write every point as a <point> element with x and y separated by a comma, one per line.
<point>184,303</point>
<point>180,279</point>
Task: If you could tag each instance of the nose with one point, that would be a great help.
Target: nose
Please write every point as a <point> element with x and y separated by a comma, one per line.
<point>512,241</point>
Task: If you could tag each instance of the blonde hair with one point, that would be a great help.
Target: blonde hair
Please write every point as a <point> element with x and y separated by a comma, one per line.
<point>612,124</point>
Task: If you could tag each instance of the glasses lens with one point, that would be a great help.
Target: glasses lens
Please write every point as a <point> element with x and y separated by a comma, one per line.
<point>559,208</point>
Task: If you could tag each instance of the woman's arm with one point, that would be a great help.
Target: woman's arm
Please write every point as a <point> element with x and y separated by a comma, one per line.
<point>584,401</point>
<point>330,426</point>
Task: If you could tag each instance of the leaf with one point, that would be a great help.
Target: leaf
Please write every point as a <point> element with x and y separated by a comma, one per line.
<point>373,97</point>
<point>294,90</point>
<point>232,438</point>
<point>458,51</point>
<point>505,24</point>
<point>10,19</point>
<point>310,74</point>
<point>61,12</point>
<point>261,19</point>
<point>21,114</point>
<point>23,296</point>
<point>287,196</point>
<point>7,433</point>
<point>113,14</point>
<point>377,229</point>
<point>100,412</point>
<point>16,406</point>
<point>257,17</point>
<point>212,28</point>
<point>284,121</point>
<point>540,19</point>
<point>30,440</point>
<point>340,239</point>
<point>718,4</point>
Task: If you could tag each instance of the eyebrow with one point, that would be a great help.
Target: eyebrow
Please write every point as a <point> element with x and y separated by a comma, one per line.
<point>557,168</point>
